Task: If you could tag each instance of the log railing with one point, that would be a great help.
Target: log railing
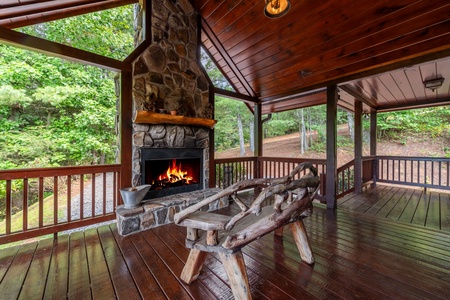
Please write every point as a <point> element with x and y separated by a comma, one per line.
<point>427,172</point>
<point>48,200</point>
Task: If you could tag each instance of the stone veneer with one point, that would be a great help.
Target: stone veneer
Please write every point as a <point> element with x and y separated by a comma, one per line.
<point>160,211</point>
<point>167,76</point>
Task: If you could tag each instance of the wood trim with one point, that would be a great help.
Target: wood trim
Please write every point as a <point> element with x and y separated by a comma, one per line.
<point>358,95</point>
<point>28,42</point>
<point>234,95</point>
<point>227,58</point>
<point>148,117</point>
<point>418,104</point>
<point>58,11</point>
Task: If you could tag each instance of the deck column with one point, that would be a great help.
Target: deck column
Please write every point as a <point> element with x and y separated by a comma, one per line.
<point>126,82</point>
<point>258,135</point>
<point>373,143</point>
<point>358,147</point>
<point>330,189</point>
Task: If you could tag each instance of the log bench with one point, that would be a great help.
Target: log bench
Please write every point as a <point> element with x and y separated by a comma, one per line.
<point>226,235</point>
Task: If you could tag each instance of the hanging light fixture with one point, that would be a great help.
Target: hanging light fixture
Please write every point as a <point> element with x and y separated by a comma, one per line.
<point>276,8</point>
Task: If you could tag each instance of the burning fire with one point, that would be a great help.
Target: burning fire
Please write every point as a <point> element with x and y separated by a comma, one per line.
<point>174,174</point>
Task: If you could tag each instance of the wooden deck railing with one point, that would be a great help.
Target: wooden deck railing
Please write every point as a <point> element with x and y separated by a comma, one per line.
<point>231,170</point>
<point>428,172</point>
<point>48,200</point>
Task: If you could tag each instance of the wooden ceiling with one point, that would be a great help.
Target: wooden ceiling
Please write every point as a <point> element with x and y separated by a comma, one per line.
<point>377,51</point>
<point>19,13</point>
<point>345,42</point>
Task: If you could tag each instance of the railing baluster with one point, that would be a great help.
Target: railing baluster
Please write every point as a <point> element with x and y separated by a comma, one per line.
<point>55,200</point>
<point>104,193</point>
<point>93,195</point>
<point>8,207</point>
<point>41,202</point>
<point>81,196</point>
<point>25,205</point>
<point>69,198</point>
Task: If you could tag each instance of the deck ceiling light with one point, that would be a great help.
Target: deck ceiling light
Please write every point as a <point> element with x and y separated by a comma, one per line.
<point>276,8</point>
<point>433,84</point>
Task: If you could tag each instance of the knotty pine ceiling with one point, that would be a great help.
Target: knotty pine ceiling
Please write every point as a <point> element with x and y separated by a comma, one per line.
<point>378,51</point>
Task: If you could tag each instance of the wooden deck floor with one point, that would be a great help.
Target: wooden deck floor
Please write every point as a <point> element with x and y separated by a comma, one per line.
<point>357,256</point>
<point>430,209</point>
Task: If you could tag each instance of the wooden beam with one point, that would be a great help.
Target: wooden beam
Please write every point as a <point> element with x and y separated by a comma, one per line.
<point>417,104</point>
<point>208,31</point>
<point>56,10</point>
<point>28,42</point>
<point>358,147</point>
<point>331,175</point>
<point>234,95</point>
<point>358,95</point>
<point>149,117</point>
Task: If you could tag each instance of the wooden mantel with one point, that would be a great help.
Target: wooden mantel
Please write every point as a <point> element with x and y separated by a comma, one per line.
<point>149,117</point>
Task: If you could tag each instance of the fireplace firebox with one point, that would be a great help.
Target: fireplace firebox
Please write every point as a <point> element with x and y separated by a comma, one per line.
<point>171,170</point>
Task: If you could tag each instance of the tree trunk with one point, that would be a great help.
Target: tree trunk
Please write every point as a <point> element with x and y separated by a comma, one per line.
<point>302,130</point>
<point>241,135</point>
<point>351,125</point>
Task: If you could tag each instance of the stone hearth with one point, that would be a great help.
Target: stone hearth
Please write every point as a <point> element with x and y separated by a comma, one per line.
<point>160,211</point>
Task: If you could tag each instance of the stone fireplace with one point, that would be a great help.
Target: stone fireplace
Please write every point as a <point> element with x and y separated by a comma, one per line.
<point>167,78</point>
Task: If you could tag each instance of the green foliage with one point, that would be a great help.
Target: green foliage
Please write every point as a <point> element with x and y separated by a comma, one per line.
<point>109,32</point>
<point>54,112</point>
<point>226,132</point>
<point>433,121</point>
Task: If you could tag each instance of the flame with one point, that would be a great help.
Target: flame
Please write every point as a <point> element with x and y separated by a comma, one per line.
<point>174,173</point>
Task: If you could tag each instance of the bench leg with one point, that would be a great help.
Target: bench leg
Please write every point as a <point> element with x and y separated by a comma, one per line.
<point>193,266</point>
<point>301,239</point>
<point>237,275</point>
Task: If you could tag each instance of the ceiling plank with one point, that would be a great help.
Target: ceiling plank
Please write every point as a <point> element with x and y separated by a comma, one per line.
<point>368,47</point>
<point>229,61</point>
<point>32,43</point>
<point>51,15</point>
<point>39,7</point>
<point>435,46</point>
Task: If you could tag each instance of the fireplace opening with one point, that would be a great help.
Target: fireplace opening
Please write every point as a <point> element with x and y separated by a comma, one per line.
<point>171,171</point>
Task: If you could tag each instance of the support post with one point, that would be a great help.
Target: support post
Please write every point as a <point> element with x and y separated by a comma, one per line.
<point>373,132</point>
<point>126,82</point>
<point>258,136</point>
<point>373,144</point>
<point>330,194</point>
<point>358,147</point>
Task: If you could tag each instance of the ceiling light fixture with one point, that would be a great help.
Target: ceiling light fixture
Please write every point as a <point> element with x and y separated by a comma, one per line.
<point>433,84</point>
<point>276,8</point>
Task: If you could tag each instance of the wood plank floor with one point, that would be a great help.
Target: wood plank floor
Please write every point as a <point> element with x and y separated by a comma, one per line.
<point>357,257</point>
<point>430,209</point>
